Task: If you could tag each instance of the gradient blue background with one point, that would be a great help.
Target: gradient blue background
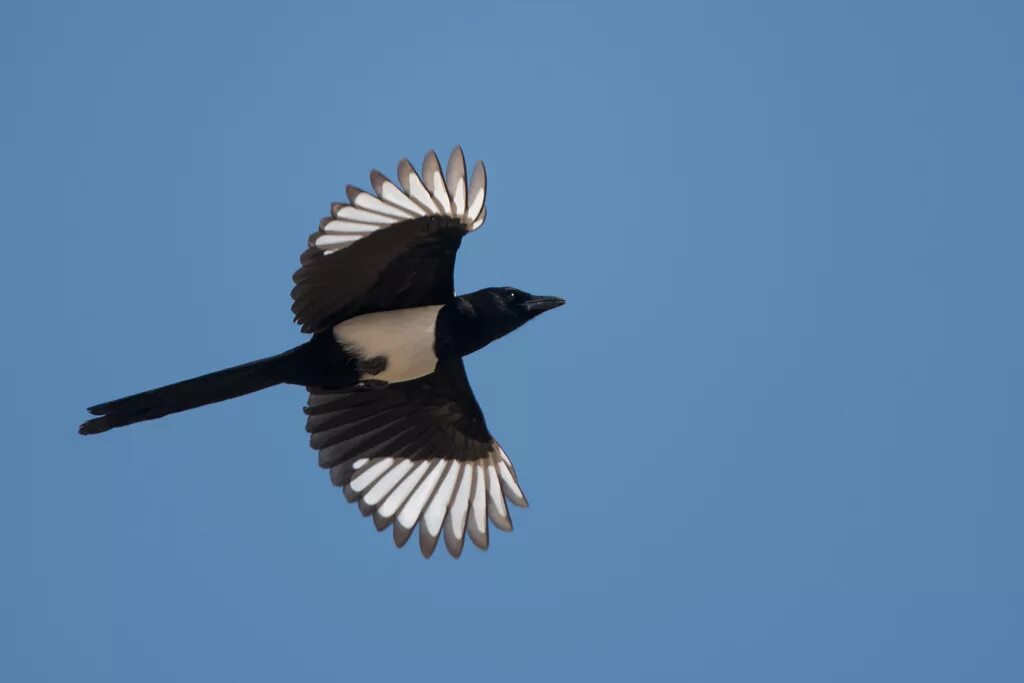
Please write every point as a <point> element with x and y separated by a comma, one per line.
<point>775,436</point>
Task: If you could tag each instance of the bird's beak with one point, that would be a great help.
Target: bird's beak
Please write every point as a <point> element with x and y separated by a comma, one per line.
<point>539,304</point>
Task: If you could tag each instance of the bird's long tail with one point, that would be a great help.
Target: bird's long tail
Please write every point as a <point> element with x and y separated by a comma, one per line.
<point>192,393</point>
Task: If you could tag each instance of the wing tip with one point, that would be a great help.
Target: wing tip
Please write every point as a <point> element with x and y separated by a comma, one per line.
<point>476,525</point>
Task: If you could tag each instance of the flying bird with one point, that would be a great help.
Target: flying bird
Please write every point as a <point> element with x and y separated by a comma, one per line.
<point>390,408</point>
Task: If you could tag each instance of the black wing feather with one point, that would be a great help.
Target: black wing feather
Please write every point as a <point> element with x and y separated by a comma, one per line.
<point>408,264</point>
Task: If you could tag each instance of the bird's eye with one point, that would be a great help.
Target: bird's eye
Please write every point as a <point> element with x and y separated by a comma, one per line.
<point>511,293</point>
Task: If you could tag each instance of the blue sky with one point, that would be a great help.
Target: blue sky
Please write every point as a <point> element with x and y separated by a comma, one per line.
<point>775,435</point>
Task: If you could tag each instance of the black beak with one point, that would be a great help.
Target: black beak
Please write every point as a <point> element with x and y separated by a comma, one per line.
<point>539,304</point>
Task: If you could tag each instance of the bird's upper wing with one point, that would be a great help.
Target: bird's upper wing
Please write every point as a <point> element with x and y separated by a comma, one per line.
<point>393,250</point>
<point>416,452</point>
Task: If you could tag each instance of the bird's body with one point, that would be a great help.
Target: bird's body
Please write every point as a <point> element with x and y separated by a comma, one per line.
<point>392,346</point>
<point>390,407</point>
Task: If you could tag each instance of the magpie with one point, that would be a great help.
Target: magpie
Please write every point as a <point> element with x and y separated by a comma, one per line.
<point>390,408</point>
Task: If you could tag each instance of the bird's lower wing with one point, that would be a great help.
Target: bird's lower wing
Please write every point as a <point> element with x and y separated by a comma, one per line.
<point>417,453</point>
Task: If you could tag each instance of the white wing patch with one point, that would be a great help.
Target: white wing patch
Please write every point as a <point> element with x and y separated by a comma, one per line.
<point>433,194</point>
<point>440,495</point>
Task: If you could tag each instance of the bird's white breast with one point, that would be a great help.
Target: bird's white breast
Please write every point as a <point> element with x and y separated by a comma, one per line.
<point>404,338</point>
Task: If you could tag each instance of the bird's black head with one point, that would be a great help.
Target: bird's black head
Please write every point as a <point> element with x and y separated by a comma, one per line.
<point>474,320</point>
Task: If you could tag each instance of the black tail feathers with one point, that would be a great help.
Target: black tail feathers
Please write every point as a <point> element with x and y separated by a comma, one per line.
<point>192,393</point>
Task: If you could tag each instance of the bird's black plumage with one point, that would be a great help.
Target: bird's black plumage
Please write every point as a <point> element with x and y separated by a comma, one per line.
<point>390,408</point>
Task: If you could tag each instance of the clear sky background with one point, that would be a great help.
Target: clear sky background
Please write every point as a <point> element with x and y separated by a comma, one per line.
<point>776,435</point>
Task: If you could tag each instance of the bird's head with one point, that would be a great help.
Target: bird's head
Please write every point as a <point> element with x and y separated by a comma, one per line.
<point>478,318</point>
